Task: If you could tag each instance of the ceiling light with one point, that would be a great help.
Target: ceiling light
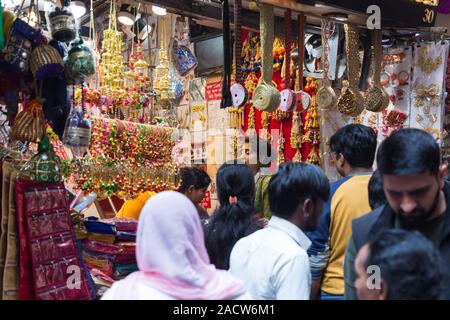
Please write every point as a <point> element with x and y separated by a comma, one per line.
<point>78,8</point>
<point>159,11</point>
<point>127,15</point>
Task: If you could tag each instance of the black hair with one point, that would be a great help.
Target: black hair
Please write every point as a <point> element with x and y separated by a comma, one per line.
<point>193,177</point>
<point>357,143</point>
<point>293,183</point>
<point>230,222</point>
<point>408,152</point>
<point>409,264</point>
<point>377,197</point>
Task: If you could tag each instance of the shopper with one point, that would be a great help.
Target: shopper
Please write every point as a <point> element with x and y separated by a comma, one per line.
<point>172,258</point>
<point>193,184</point>
<point>417,194</point>
<point>131,209</point>
<point>258,155</point>
<point>273,262</point>
<point>398,265</point>
<point>353,151</point>
<point>234,218</point>
<point>376,192</point>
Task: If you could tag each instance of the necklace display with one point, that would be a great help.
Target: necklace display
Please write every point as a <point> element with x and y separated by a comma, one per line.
<point>351,101</point>
<point>427,93</point>
<point>376,98</point>
<point>426,63</point>
<point>326,97</point>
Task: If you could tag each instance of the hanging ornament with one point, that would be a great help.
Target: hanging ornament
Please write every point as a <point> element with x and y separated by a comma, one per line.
<point>80,65</point>
<point>62,25</point>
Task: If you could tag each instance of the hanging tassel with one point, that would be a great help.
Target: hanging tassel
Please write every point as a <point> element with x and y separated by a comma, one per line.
<point>281,142</point>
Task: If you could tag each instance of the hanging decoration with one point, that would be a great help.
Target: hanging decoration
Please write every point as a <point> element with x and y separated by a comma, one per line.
<point>326,97</point>
<point>62,24</point>
<point>299,106</point>
<point>287,95</point>
<point>80,64</point>
<point>351,101</point>
<point>112,66</point>
<point>126,158</point>
<point>266,97</point>
<point>226,74</point>
<point>77,132</point>
<point>312,124</point>
<point>376,98</point>
<point>239,94</point>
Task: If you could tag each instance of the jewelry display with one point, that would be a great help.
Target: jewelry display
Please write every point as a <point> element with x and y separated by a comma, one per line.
<point>376,98</point>
<point>351,101</point>
<point>326,97</point>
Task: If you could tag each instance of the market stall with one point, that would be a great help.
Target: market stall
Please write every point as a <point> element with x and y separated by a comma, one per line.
<point>103,101</point>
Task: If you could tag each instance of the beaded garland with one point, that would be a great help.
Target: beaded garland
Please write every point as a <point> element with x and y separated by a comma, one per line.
<point>126,159</point>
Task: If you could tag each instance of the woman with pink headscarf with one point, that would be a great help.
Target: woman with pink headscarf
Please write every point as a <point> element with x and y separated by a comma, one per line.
<point>172,259</point>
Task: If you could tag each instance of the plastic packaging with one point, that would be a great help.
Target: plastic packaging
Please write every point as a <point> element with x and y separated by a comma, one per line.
<point>77,133</point>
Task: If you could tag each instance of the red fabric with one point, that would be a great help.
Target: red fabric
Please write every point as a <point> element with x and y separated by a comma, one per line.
<point>47,244</point>
<point>289,152</point>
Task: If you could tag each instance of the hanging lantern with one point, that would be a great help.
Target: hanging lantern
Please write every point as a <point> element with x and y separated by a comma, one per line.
<point>80,65</point>
<point>62,25</point>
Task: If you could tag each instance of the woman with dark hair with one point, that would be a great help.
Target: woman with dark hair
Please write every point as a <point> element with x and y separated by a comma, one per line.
<point>234,219</point>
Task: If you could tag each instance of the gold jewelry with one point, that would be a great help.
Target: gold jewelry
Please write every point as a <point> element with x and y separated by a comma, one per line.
<point>376,99</point>
<point>427,63</point>
<point>351,101</point>
<point>326,97</point>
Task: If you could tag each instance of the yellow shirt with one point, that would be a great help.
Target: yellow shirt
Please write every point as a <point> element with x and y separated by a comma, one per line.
<point>350,201</point>
<point>131,209</point>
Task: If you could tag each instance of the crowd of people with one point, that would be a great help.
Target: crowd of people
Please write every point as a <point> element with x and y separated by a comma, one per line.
<point>293,235</point>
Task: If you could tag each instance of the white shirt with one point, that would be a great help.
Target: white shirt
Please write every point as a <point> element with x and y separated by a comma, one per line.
<point>273,262</point>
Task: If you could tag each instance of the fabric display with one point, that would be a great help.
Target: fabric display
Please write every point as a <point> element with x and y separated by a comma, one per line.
<point>109,261</point>
<point>48,253</point>
<point>8,234</point>
<point>427,98</point>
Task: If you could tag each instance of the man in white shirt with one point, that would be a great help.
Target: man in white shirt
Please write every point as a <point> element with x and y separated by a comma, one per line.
<point>273,262</point>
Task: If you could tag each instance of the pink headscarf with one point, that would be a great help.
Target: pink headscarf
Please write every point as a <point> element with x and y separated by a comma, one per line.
<point>172,257</point>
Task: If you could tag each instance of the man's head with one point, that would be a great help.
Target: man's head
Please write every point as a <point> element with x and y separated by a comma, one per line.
<point>194,183</point>
<point>297,193</point>
<point>376,192</point>
<point>409,164</point>
<point>353,147</point>
<point>258,153</point>
<point>398,264</point>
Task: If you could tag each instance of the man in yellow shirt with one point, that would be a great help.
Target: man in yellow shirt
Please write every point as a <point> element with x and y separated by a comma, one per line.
<point>353,152</point>
<point>131,209</point>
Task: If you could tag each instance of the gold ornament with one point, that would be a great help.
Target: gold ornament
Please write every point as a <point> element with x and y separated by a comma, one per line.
<point>427,63</point>
<point>376,99</point>
<point>351,101</point>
